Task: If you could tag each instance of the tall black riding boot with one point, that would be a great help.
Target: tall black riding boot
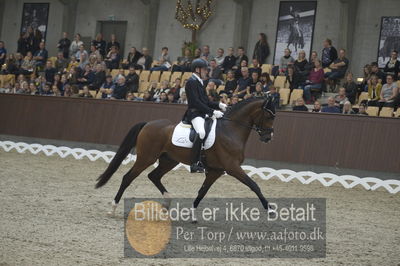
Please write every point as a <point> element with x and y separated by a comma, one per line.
<point>196,165</point>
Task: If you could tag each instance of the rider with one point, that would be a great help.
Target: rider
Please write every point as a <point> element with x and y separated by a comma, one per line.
<point>198,107</point>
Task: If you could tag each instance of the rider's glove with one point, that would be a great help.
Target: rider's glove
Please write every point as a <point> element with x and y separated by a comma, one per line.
<point>222,106</point>
<point>218,114</point>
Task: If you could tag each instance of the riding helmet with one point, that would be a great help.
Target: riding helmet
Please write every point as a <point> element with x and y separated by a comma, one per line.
<point>198,63</point>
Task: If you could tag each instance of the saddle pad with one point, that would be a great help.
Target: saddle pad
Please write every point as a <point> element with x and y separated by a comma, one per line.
<point>181,134</point>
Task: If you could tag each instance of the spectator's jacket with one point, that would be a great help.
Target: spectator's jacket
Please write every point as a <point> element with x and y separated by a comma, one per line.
<point>374,92</point>
<point>328,56</point>
<point>228,63</point>
<point>393,69</point>
<point>132,81</point>
<point>198,102</point>
<point>261,52</point>
<point>120,91</point>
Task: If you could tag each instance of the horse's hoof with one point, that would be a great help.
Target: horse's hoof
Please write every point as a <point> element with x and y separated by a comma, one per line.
<point>271,213</point>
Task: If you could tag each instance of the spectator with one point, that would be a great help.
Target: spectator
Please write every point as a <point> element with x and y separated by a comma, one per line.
<point>183,99</point>
<point>147,97</point>
<point>341,98</point>
<point>94,53</point>
<point>82,56</point>
<point>317,107</point>
<point>85,93</point>
<point>285,61</point>
<point>32,89</point>
<point>215,73</point>
<point>23,44</point>
<point>107,88</point>
<point>41,55</point>
<point>351,88</point>
<point>389,93</point>
<point>64,44</point>
<point>3,53</point>
<point>197,53</point>
<point>261,50</point>
<point>164,62</point>
<point>266,81</point>
<point>347,110</point>
<point>238,72</point>
<point>206,53</point>
<point>100,44</point>
<point>230,84</point>
<point>132,59</point>
<point>254,81</point>
<point>98,79</point>
<point>392,67</point>
<point>219,58</point>
<point>300,106</point>
<point>113,58</point>
<point>376,71</point>
<point>256,67</point>
<point>86,77</point>
<point>362,109</point>
<point>275,95</point>
<point>329,53</point>
<point>234,100</point>
<point>339,67</point>
<point>331,108</point>
<point>258,92</point>
<point>293,79</point>
<point>183,62</point>
<point>171,98</point>
<point>176,89</point>
<point>229,61</point>
<point>367,71</point>
<point>72,64</point>
<point>36,39</point>
<point>120,89</point>
<point>315,80</point>
<point>113,42</point>
<point>11,66</point>
<point>240,57</point>
<point>132,80</point>
<point>75,44</point>
<point>310,65</point>
<point>61,63</point>
<point>163,89</point>
<point>46,91</point>
<point>244,82</point>
<point>50,71</point>
<point>374,91</point>
<point>301,64</point>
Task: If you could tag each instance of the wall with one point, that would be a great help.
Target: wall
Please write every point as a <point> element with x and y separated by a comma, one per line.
<point>342,141</point>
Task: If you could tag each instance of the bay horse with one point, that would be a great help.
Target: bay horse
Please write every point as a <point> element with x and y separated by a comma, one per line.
<point>153,142</point>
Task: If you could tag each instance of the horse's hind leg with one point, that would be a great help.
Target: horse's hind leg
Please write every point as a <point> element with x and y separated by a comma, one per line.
<point>165,164</point>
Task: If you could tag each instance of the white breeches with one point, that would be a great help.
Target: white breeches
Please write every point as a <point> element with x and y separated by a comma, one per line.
<point>198,125</point>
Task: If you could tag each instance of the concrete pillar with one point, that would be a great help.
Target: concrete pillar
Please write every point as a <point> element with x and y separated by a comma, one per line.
<point>2,7</point>
<point>151,12</point>
<point>348,14</point>
<point>242,23</point>
<point>69,17</point>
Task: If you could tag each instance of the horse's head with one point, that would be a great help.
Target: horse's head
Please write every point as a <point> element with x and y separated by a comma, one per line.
<point>265,119</point>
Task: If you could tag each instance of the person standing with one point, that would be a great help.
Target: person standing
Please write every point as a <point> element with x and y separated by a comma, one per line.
<point>329,53</point>
<point>64,44</point>
<point>261,50</point>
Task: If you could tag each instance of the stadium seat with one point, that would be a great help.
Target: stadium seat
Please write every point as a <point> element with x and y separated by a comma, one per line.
<point>166,75</point>
<point>386,112</point>
<point>155,76</point>
<point>114,73</point>
<point>143,86</point>
<point>186,75</point>
<point>397,114</point>
<point>372,110</point>
<point>144,75</point>
<point>98,96</point>
<point>363,96</point>
<point>280,82</point>
<point>93,93</point>
<point>284,94</point>
<point>266,68</point>
<point>297,93</point>
<point>175,75</point>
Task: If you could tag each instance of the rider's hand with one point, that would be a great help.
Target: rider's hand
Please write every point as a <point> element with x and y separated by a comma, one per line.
<point>218,114</point>
<point>222,106</point>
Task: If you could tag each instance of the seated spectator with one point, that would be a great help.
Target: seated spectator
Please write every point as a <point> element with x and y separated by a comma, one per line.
<point>171,98</point>
<point>392,67</point>
<point>331,108</point>
<point>205,53</point>
<point>184,62</point>
<point>197,53</point>
<point>164,63</point>
<point>362,109</point>
<point>113,58</point>
<point>41,55</point>
<point>121,73</point>
<point>46,91</point>
<point>374,91</point>
<point>339,67</point>
<point>100,44</point>
<point>238,71</point>
<point>258,92</point>
<point>75,44</point>
<point>113,42</point>
<point>229,61</point>
<point>132,80</point>
<point>50,71</point>
<point>234,100</point>
<point>85,93</point>
<point>341,98</point>
<point>98,79</point>
<point>293,79</point>
<point>3,53</point>
<point>57,83</point>
<point>310,65</point>
<point>230,84</point>
<point>376,71</point>
<point>147,97</point>
<point>120,89</point>
<point>72,64</point>
<point>219,58</point>
<point>315,80</point>
<point>211,90</point>
<point>276,96</point>
<point>317,107</point>
<point>163,98</point>
<point>153,88</point>
<point>241,56</point>
<point>94,53</point>
<point>261,50</point>
<point>367,75</point>
<point>329,53</point>
<point>132,59</point>
<point>244,82</point>
<point>86,77</point>
<point>300,106</point>
<point>215,73</point>
<point>389,93</point>
<point>32,90</point>
<point>351,88</point>
<point>285,61</point>
<point>301,64</point>
<point>266,81</point>
<point>145,60</point>
<point>347,110</point>
<point>63,45</point>
<point>183,99</point>
<point>223,98</point>
<point>255,67</point>
<point>176,89</point>
<point>82,57</point>
<point>11,66</point>
<point>163,89</point>
<point>107,88</point>
<point>253,83</point>
<point>73,75</point>
<point>61,63</point>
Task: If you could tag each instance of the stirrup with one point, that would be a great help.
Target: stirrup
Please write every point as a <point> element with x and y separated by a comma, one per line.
<point>197,168</point>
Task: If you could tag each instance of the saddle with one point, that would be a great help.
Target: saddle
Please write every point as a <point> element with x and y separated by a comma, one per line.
<point>207,127</point>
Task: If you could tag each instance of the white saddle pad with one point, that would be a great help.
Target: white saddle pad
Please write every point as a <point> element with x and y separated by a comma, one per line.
<point>180,137</point>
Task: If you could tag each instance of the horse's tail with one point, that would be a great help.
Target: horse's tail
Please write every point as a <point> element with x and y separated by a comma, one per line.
<point>126,146</point>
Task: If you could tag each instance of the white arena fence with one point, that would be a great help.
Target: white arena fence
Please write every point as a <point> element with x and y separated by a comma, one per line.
<point>265,173</point>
